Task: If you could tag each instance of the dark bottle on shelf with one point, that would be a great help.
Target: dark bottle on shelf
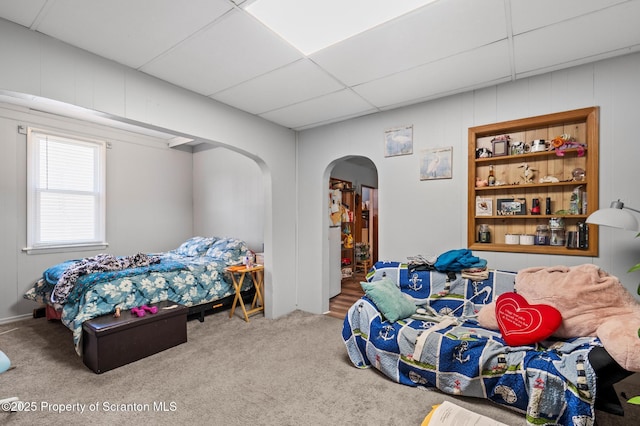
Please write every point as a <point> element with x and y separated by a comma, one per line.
<point>583,235</point>
<point>547,207</point>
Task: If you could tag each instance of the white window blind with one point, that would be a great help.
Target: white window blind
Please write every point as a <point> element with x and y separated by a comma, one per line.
<point>66,197</point>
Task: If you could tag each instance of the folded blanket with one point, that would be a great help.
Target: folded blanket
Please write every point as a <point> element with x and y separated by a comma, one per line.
<point>99,263</point>
<point>421,263</point>
<point>457,260</point>
<point>475,274</point>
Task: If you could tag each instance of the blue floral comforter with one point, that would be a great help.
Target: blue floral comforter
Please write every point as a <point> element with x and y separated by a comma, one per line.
<point>191,275</point>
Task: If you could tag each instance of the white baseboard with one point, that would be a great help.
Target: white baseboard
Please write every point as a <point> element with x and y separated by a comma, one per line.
<point>14,319</point>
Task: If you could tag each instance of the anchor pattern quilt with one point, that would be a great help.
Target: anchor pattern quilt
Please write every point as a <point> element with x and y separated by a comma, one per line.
<point>551,382</point>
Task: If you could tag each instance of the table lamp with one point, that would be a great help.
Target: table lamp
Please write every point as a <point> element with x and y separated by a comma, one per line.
<point>616,216</point>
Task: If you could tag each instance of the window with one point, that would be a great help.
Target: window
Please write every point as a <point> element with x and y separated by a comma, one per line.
<point>65,190</point>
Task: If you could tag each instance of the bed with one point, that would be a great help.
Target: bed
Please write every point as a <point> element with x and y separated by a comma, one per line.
<point>443,346</point>
<point>192,274</point>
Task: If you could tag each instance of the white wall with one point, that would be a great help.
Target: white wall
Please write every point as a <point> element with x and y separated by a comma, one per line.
<point>34,64</point>
<point>228,196</point>
<point>429,217</point>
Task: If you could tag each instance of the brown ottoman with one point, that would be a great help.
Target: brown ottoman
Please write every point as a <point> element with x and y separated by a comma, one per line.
<point>110,342</point>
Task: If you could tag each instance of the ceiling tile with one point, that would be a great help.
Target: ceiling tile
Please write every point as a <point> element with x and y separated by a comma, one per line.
<point>325,109</point>
<point>215,48</point>
<point>583,39</point>
<point>20,11</point>
<point>233,50</point>
<point>528,15</point>
<point>129,32</point>
<point>433,32</point>
<point>481,67</point>
<point>296,82</point>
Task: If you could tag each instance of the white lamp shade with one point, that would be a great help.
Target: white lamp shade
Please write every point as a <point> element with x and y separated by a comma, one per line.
<point>616,218</point>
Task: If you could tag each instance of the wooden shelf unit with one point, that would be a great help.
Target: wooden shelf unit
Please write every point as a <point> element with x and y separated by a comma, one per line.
<point>583,125</point>
<point>350,225</point>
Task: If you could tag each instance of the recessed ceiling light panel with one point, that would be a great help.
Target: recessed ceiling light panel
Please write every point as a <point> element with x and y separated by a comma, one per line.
<point>312,25</point>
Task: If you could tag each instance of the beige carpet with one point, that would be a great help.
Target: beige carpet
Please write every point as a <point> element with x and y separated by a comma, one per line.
<point>289,371</point>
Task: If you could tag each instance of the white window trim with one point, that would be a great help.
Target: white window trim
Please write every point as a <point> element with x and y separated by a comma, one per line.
<point>99,242</point>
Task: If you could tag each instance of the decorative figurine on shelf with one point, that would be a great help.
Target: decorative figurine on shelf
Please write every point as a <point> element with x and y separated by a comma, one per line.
<point>348,241</point>
<point>484,153</point>
<point>481,182</point>
<point>519,148</point>
<point>549,179</point>
<point>566,141</point>
<point>527,173</point>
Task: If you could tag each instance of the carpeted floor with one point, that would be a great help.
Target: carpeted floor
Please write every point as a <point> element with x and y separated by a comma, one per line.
<point>289,371</point>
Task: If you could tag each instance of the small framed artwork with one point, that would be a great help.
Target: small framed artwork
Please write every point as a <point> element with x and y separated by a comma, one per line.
<point>484,206</point>
<point>436,163</point>
<point>511,206</point>
<point>500,147</point>
<point>398,141</point>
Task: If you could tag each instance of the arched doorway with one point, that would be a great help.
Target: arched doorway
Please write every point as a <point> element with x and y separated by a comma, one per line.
<point>353,233</point>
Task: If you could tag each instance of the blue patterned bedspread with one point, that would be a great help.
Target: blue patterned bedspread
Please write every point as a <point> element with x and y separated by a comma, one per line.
<point>183,277</point>
<point>550,382</point>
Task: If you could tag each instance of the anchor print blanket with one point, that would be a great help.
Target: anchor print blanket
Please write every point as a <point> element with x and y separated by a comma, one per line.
<point>549,382</point>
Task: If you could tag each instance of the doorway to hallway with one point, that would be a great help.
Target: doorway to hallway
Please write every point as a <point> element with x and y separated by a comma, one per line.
<point>353,230</point>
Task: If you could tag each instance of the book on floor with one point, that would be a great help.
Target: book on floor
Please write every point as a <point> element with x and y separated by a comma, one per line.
<point>450,414</point>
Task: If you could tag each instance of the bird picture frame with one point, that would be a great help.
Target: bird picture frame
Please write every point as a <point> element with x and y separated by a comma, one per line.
<point>398,141</point>
<point>436,163</point>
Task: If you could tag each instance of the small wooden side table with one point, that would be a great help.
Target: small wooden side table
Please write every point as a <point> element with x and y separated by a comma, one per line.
<point>237,276</point>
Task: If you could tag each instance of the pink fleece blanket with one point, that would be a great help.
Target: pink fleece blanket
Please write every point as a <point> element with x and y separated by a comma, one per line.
<point>592,303</point>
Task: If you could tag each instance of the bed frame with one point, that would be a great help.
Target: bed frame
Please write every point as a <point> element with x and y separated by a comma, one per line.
<point>195,312</point>
<point>199,311</point>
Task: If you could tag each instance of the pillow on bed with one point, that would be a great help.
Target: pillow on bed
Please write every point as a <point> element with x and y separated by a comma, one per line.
<point>40,292</point>
<point>196,246</point>
<point>522,323</point>
<point>389,300</point>
<point>229,250</point>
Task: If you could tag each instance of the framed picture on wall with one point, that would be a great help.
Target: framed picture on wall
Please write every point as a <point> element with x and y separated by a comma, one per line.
<point>398,141</point>
<point>436,163</point>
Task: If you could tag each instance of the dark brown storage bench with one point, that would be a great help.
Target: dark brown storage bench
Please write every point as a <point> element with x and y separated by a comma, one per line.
<point>110,342</point>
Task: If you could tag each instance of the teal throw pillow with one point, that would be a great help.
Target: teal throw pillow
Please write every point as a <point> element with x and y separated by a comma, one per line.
<point>389,300</point>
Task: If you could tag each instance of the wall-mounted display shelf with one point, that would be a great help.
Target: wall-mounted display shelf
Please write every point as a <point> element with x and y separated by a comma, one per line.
<point>528,184</point>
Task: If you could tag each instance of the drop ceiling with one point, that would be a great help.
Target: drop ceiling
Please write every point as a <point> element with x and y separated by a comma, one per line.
<point>217,49</point>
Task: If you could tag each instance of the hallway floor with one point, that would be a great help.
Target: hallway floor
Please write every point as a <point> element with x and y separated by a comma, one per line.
<point>351,292</point>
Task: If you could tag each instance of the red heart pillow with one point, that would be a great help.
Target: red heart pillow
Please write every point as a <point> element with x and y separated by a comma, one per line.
<point>521,323</point>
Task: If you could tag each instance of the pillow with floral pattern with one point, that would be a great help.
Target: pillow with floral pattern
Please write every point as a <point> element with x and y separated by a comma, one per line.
<point>196,246</point>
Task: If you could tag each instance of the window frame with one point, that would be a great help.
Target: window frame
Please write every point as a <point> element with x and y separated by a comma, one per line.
<point>34,241</point>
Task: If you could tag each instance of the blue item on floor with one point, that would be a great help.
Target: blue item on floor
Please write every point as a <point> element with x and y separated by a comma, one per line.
<point>4,362</point>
